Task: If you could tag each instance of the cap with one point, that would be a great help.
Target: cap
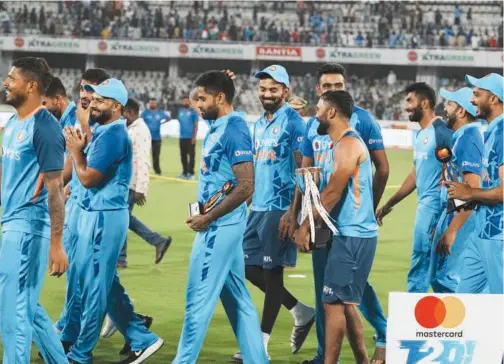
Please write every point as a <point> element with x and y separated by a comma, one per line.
<point>112,89</point>
<point>491,82</point>
<point>276,72</point>
<point>462,97</point>
<point>297,102</point>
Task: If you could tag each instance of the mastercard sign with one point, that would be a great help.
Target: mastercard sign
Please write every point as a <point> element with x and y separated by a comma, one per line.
<point>432,312</point>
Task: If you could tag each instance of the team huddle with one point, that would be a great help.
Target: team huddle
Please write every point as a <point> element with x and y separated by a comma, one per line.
<point>66,202</point>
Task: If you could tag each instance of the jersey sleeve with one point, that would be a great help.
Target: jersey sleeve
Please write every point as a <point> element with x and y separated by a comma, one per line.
<point>469,152</point>
<point>306,145</point>
<point>49,144</point>
<point>370,131</point>
<point>498,146</point>
<point>237,143</point>
<point>296,132</point>
<point>107,151</point>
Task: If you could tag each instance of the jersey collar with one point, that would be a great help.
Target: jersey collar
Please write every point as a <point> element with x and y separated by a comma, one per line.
<point>464,127</point>
<point>493,124</point>
<point>222,120</point>
<point>277,113</point>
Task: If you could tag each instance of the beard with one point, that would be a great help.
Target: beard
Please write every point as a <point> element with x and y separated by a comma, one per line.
<point>452,119</point>
<point>100,117</point>
<point>211,113</point>
<point>323,128</point>
<point>56,112</point>
<point>271,104</point>
<point>483,112</point>
<point>15,100</point>
<point>417,114</point>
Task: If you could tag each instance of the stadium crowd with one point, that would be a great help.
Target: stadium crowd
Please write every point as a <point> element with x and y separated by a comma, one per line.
<point>391,24</point>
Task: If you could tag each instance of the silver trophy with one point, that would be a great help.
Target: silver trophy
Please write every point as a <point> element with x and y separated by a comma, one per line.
<point>308,181</point>
<point>452,172</point>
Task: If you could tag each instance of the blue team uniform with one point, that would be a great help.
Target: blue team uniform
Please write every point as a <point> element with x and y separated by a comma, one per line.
<point>428,183</point>
<point>153,120</point>
<point>103,225</point>
<point>217,264</point>
<point>187,119</point>
<point>274,142</point>
<point>354,244</point>
<point>318,147</point>
<point>483,266</point>
<point>30,147</point>
<point>467,154</point>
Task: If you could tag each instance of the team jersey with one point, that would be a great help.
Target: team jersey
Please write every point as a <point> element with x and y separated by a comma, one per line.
<point>492,161</point>
<point>226,144</point>
<point>30,147</point>
<point>467,155</point>
<point>110,153</point>
<point>274,143</point>
<point>69,117</point>
<point>187,118</point>
<point>428,168</point>
<point>153,120</point>
<point>354,213</point>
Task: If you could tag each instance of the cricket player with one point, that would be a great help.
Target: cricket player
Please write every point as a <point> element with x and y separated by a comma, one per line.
<point>188,119</point>
<point>426,177</point>
<point>453,229</point>
<point>483,267</point>
<point>153,117</point>
<point>32,214</point>
<point>277,137</point>
<point>348,196</point>
<point>104,172</point>
<point>316,150</point>
<point>217,263</point>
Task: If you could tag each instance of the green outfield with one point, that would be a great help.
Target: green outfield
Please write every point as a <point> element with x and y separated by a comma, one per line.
<point>159,290</point>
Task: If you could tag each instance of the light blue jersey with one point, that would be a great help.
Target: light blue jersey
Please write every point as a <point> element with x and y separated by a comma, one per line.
<point>428,168</point>
<point>274,142</point>
<point>30,148</point>
<point>354,213</point>
<point>69,117</point>
<point>226,144</point>
<point>153,120</point>
<point>109,152</point>
<point>491,215</point>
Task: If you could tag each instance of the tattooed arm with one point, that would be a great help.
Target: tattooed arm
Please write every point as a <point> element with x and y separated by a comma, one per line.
<point>298,157</point>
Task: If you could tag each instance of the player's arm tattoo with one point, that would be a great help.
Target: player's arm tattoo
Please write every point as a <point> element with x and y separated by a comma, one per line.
<point>53,182</point>
<point>244,173</point>
<point>298,157</point>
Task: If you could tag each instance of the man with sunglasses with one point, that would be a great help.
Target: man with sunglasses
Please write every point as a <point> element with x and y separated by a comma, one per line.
<point>104,171</point>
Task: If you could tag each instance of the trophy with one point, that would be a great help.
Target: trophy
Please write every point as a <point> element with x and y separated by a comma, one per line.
<point>197,208</point>
<point>308,182</point>
<point>452,172</point>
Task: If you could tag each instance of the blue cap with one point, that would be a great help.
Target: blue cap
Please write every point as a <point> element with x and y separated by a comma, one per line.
<point>462,97</point>
<point>491,82</point>
<point>276,72</point>
<point>112,89</point>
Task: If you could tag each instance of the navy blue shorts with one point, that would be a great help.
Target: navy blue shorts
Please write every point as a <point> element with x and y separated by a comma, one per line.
<point>261,244</point>
<point>347,270</point>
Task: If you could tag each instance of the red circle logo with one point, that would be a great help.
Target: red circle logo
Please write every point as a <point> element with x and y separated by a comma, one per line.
<point>183,48</point>
<point>19,42</point>
<point>320,53</point>
<point>102,45</point>
<point>412,56</point>
<point>430,312</point>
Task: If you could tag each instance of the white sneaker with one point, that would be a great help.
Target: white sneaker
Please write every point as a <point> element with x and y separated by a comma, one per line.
<point>237,358</point>
<point>109,328</point>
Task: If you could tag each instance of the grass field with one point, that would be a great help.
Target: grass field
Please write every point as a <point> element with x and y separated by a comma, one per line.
<point>159,290</point>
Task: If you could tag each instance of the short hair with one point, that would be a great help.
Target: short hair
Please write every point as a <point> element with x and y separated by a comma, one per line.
<point>341,100</point>
<point>215,82</point>
<point>56,88</point>
<point>152,99</point>
<point>35,69</point>
<point>184,96</point>
<point>423,91</point>
<point>331,68</point>
<point>132,105</point>
<point>95,75</point>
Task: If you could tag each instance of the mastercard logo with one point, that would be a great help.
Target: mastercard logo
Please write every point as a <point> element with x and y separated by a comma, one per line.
<point>447,312</point>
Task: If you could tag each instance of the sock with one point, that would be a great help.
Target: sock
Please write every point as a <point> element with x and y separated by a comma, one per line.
<point>266,338</point>
<point>302,314</point>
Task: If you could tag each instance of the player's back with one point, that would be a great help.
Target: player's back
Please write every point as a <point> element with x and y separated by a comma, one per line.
<point>227,142</point>
<point>24,197</point>
<point>354,213</point>
<point>111,153</point>
<point>428,168</point>
<point>69,117</point>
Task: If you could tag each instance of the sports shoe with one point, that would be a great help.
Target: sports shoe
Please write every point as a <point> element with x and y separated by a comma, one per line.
<point>122,265</point>
<point>237,358</point>
<point>190,177</point>
<point>299,335</point>
<point>137,357</point>
<point>161,249</point>
<point>147,321</point>
<point>109,328</point>
<point>181,176</point>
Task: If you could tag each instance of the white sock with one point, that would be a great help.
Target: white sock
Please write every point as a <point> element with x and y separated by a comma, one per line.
<point>266,338</point>
<point>302,314</point>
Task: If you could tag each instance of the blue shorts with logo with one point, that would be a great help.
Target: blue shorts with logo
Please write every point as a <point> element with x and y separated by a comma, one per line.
<point>262,245</point>
<point>347,270</point>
